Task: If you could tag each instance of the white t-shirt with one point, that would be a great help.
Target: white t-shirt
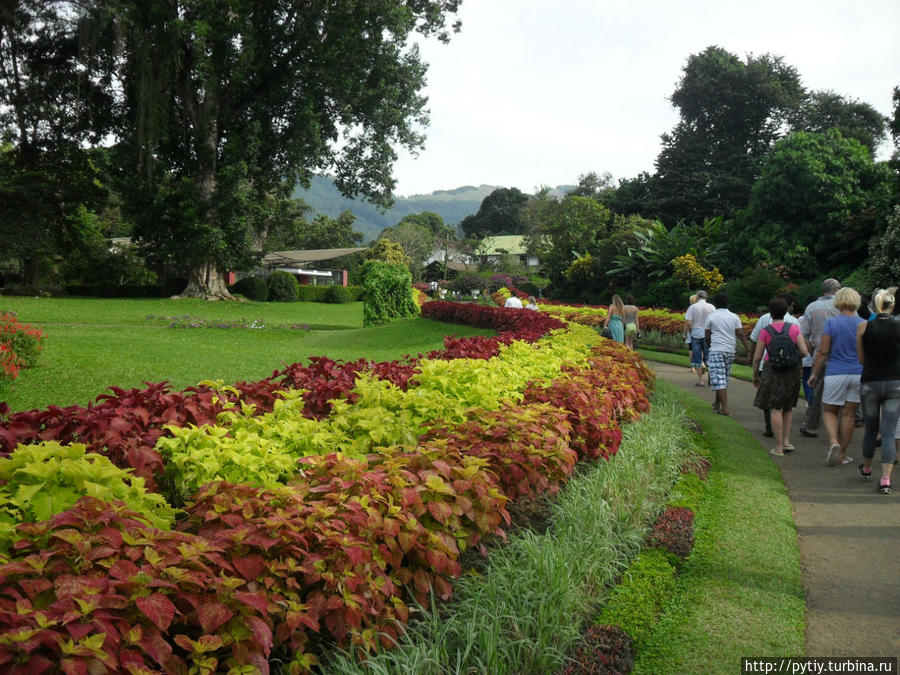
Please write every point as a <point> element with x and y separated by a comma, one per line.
<point>513,301</point>
<point>697,315</point>
<point>722,324</point>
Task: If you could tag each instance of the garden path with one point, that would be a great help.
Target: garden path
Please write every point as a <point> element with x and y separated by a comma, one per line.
<point>849,534</point>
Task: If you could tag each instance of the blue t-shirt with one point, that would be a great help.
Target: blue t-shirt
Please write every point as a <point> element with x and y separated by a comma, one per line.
<point>843,359</point>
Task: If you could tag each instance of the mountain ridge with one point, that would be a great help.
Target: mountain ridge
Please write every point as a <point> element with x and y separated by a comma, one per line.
<point>452,204</point>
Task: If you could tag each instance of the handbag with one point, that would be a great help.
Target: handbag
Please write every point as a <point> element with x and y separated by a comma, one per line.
<point>606,332</point>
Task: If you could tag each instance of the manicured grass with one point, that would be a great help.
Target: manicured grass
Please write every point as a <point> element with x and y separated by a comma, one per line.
<point>739,593</point>
<point>95,343</point>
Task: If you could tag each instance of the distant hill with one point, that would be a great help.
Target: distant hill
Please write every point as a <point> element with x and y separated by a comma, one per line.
<point>451,205</point>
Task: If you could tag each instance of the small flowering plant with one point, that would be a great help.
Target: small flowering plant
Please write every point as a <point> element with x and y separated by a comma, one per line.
<point>20,346</point>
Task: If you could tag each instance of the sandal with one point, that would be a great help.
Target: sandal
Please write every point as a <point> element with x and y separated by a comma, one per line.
<point>831,458</point>
<point>865,473</point>
<point>884,486</point>
<point>776,452</point>
<point>787,448</point>
<point>847,460</point>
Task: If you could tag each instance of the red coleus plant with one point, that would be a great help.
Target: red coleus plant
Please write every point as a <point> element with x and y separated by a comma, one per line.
<point>96,589</point>
<point>674,531</point>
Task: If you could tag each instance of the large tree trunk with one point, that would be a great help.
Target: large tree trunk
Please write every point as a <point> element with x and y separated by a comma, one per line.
<point>206,281</point>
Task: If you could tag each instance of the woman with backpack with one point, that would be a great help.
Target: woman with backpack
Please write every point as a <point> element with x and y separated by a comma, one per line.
<point>779,349</point>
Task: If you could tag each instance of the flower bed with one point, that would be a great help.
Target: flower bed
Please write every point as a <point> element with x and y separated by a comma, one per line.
<point>311,545</point>
<point>20,347</point>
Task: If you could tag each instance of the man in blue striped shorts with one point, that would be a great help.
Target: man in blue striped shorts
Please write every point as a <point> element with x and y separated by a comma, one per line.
<point>723,330</point>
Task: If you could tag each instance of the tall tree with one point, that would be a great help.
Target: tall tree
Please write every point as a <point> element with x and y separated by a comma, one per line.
<point>47,178</point>
<point>498,214</point>
<point>417,242</point>
<point>227,103</point>
<point>731,111</point>
<point>819,201</point>
<point>824,110</point>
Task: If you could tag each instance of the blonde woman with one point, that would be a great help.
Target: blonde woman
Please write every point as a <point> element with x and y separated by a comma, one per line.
<point>840,392</point>
<point>615,319</point>
<point>878,346</point>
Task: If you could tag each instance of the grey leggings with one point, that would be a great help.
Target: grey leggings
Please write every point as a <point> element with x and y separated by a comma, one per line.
<point>881,410</point>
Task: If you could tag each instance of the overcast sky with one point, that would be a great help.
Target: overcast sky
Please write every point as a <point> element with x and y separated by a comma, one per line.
<point>537,92</point>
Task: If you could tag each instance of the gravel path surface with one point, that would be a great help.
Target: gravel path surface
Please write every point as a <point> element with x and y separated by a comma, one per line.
<point>849,533</point>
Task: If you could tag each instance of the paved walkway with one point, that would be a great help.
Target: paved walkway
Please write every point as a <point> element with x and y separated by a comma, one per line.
<point>849,534</point>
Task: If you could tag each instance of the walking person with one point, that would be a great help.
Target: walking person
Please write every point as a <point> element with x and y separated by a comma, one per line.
<point>761,324</point>
<point>615,319</point>
<point>695,326</point>
<point>777,378</point>
<point>723,329</point>
<point>836,355</point>
<point>812,324</point>
<point>632,324</point>
<point>878,346</point>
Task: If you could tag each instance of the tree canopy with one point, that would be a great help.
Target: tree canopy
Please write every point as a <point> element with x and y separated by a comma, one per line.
<point>224,107</point>
<point>498,214</point>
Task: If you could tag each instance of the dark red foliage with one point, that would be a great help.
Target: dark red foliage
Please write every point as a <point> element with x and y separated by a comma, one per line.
<point>99,571</point>
<point>326,379</point>
<point>606,650</point>
<point>511,324</point>
<point>699,466</point>
<point>674,531</point>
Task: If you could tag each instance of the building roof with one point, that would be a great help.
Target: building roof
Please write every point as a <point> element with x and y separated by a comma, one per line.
<point>512,244</point>
<point>301,258</point>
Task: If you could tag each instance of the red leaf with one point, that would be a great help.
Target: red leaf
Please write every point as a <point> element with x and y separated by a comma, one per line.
<point>158,608</point>
<point>262,634</point>
<point>256,600</point>
<point>212,615</point>
<point>249,566</point>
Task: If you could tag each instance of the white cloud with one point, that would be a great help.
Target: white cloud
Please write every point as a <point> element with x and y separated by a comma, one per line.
<point>533,92</point>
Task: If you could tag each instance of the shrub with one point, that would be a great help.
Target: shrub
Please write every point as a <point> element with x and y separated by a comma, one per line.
<point>283,287</point>
<point>338,295</point>
<point>42,480</point>
<point>466,283</point>
<point>23,340</point>
<point>674,531</point>
<point>606,650</point>
<point>252,287</point>
<point>389,293</point>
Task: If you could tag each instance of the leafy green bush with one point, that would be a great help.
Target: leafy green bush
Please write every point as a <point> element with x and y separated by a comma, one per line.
<point>338,295</point>
<point>42,480</point>
<point>252,287</point>
<point>389,293</point>
<point>466,283</point>
<point>283,287</point>
<point>636,602</point>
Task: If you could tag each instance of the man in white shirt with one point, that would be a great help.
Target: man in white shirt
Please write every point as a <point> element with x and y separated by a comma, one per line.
<point>761,324</point>
<point>514,302</point>
<point>723,330</point>
<point>694,322</point>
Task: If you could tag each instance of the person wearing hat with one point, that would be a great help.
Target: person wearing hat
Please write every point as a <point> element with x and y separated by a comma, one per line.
<point>812,324</point>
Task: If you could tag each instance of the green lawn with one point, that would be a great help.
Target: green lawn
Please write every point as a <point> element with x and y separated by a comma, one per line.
<point>95,343</point>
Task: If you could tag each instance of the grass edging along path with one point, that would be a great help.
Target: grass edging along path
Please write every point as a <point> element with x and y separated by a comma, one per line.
<point>739,593</point>
<point>526,609</point>
<point>738,370</point>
